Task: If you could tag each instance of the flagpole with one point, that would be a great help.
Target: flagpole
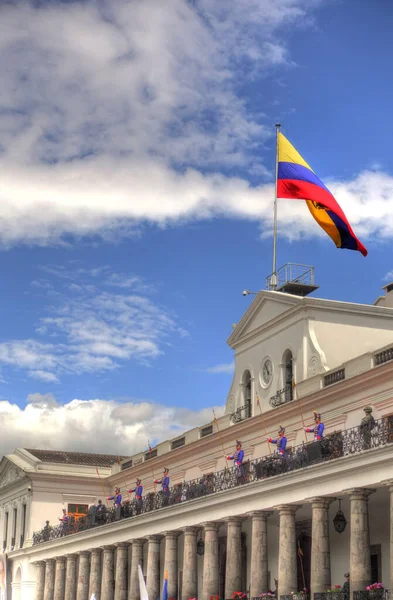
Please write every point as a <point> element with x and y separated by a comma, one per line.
<point>263,422</point>
<point>219,433</point>
<point>273,280</point>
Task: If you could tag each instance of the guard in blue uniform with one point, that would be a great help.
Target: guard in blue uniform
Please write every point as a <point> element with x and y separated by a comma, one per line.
<point>116,498</point>
<point>281,441</point>
<point>165,481</point>
<point>238,458</point>
<point>138,490</point>
<point>318,428</point>
<point>238,455</point>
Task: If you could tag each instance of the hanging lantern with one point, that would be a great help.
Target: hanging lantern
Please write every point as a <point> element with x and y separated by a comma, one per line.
<point>200,545</point>
<point>339,520</point>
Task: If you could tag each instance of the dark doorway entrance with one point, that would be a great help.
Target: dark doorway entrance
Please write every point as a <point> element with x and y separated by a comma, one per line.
<point>303,561</point>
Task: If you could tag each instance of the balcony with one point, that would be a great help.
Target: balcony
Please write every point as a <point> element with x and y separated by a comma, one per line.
<point>242,413</point>
<point>282,397</point>
<point>342,444</point>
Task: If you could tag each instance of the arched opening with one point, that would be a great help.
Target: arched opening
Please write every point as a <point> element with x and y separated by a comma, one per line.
<point>16,585</point>
<point>288,375</point>
<point>247,394</point>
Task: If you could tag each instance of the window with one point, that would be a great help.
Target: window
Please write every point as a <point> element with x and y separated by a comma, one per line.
<point>208,430</point>
<point>288,375</point>
<point>247,395</point>
<point>77,510</point>
<point>5,538</point>
<point>23,530</point>
<point>152,454</point>
<point>15,515</point>
<point>178,443</point>
<point>126,465</point>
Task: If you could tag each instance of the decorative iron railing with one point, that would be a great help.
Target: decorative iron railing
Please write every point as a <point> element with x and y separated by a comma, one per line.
<point>332,595</point>
<point>344,443</point>
<point>282,397</point>
<point>242,413</point>
<point>383,356</point>
<point>379,594</point>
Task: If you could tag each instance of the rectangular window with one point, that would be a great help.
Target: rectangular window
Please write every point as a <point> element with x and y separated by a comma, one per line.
<point>152,454</point>
<point>5,536</point>
<point>178,443</point>
<point>23,530</point>
<point>14,523</point>
<point>77,510</point>
<point>126,465</point>
<point>208,430</point>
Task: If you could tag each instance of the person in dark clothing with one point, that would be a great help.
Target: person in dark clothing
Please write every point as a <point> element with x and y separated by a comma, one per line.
<point>345,588</point>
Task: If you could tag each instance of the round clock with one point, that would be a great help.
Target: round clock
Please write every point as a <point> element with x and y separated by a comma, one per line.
<point>267,371</point>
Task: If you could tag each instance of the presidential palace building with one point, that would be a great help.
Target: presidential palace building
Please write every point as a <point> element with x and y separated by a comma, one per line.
<point>279,522</point>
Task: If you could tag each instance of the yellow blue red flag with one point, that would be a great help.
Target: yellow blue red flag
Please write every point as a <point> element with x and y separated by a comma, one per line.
<point>296,180</point>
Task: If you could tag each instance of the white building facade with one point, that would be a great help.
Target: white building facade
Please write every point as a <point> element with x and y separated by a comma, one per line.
<point>281,523</point>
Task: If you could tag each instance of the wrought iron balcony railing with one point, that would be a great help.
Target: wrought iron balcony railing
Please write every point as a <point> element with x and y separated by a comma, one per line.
<point>345,443</point>
<point>379,594</point>
<point>242,413</point>
<point>282,397</point>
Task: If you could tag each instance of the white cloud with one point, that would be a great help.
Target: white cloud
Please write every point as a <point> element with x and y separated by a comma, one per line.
<point>94,425</point>
<point>223,368</point>
<point>112,117</point>
<point>93,330</point>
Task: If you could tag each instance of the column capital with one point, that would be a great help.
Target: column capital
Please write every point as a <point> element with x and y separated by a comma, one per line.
<point>236,519</point>
<point>39,563</point>
<point>49,561</point>
<point>109,548</point>
<point>71,556</point>
<point>154,538</point>
<point>321,501</point>
<point>95,550</point>
<point>190,530</point>
<point>360,493</point>
<point>138,541</point>
<point>210,526</point>
<point>287,509</point>
<point>262,515</point>
<point>60,559</point>
<point>388,483</point>
<point>172,534</point>
<point>122,544</point>
<point>84,553</point>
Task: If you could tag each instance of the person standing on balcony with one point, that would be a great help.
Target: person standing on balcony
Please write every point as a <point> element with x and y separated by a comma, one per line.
<point>345,588</point>
<point>318,428</point>
<point>138,490</point>
<point>164,482</point>
<point>367,424</point>
<point>238,457</point>
<point>281,441</point>
<point>116,498</point>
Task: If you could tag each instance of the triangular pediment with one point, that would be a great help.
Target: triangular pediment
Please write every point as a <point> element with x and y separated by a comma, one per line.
<point>9,473</point>
<point>265,309</point>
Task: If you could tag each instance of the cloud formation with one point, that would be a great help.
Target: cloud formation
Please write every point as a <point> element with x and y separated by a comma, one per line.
<point>103,426</point>
<point>120,114</point>
<point>92,329</point>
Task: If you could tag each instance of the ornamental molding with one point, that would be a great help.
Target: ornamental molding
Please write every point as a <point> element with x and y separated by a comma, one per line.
<point>10,475</point>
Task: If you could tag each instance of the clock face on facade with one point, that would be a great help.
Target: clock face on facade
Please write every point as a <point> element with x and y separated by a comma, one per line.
<point>267,371</point>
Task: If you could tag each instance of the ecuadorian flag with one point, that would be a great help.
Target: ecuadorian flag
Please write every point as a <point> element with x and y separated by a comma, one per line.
<point>298,181</point>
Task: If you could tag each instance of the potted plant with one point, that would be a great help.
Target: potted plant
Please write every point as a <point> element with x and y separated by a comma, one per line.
<point>239,596</point>
<point>334,590</point>
<point>376,590</point>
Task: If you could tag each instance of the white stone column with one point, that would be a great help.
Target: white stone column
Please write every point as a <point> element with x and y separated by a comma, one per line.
<point>108,570</point>
<point>95,573</point>
<point>189,588</point>
<point>49,579</point>
<point>82,590</point>
<point>360,558</point>
<point>259,567</point>
<point>233,572</point>
<point>39,580</point>
<point>136,559</point>
<point>60,573</point>
<point>210,562</point>
<point>153,567</point>
<point>70,585</point>
<point>287,553</point>
<point>320,546</point>
<point>170,562</point>
<point>121,580</point>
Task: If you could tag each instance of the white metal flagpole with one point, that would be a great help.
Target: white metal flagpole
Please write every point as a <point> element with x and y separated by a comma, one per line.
<point>273,280</point>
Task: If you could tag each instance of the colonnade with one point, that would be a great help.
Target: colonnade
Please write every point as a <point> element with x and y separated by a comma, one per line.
<point>105,571</point>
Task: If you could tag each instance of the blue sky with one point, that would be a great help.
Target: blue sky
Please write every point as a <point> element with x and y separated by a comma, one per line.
<point>137,161</point>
